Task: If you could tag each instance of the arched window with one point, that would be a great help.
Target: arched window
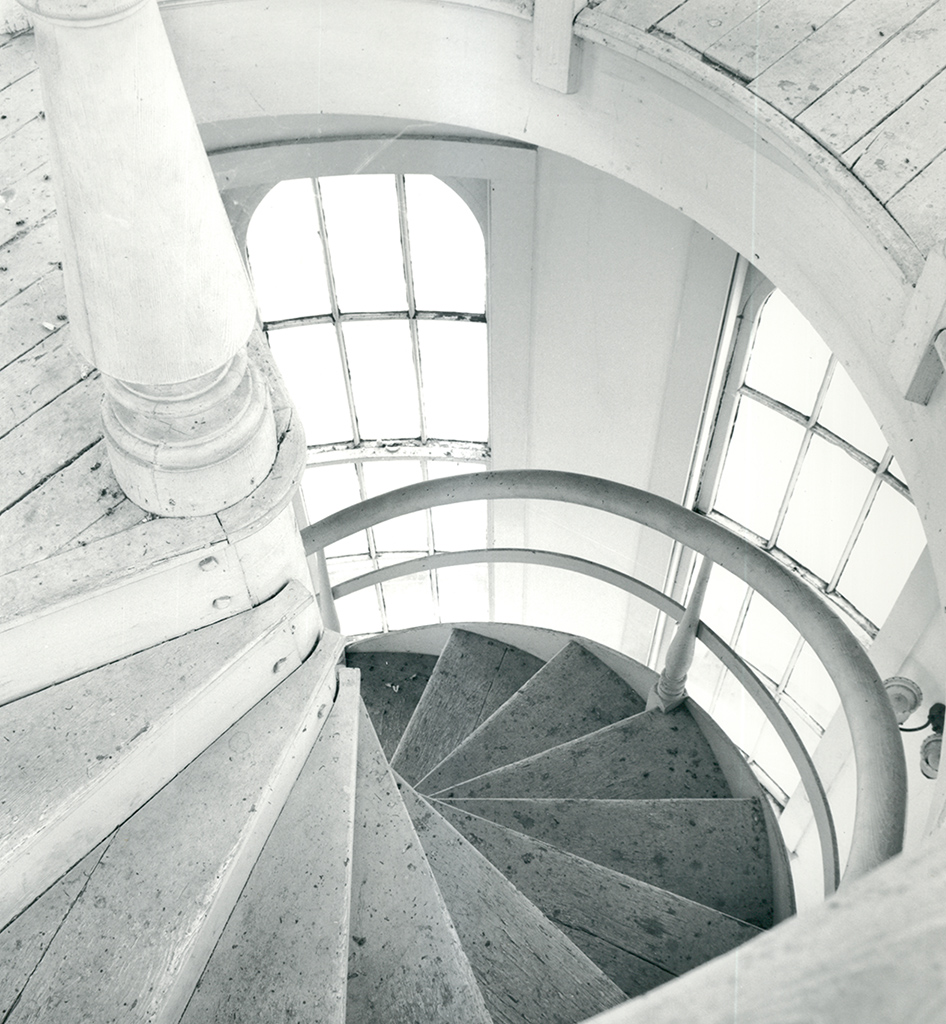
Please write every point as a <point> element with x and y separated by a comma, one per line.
<point>372,291</point>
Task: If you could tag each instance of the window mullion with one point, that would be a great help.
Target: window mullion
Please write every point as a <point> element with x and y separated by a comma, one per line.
<point>336,319</point>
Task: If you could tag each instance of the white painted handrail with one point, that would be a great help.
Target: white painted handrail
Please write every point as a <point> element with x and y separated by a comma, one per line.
<point>878,752</point>
<point>761,695</point>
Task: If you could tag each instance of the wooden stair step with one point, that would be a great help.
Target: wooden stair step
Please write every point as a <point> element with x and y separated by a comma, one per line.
<point>24,941</point>
<point>641,920</point>
<point>406,962</point>
<point>574,694</point>
<point>649,755</point>
<point>713,851</point>
<point>391,685</point>
<point>85,754</point>
<point>283,954</point>
<point>529,972</point>
<point>473,677</point>
<point>156,902</point>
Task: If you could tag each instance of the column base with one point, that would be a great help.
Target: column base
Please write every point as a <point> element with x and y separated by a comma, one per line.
<point>192,448</point>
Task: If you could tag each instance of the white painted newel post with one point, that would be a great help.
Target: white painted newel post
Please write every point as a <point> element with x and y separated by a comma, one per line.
<point>158,295</point>
<point>670,690</point>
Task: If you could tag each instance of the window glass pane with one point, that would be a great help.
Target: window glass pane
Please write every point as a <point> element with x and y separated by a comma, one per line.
<point>884,555</point>
<point>285,253</point>
<point>405,533</point>
<point>463,593</point>
<point>454,379</point>
<point>310,363</point>
<point>767,639</point>
<point>774,759</point>
<point>383,380</point>
<point>828,498</point>
<point>359,613</point>
<point>364,239</point>
<point>737,713</point>
<point>788,358</point>
<point>811,686</point>
<point>408,601</point>
<point>807,732</point>
<point>447,252</point>
<point>725,595</point>
<point>759,464</point>
<point>326,489</point>
<point>437,468</point>
<point>846,414</point>
<point>460,527</point>
<point>348,567</point>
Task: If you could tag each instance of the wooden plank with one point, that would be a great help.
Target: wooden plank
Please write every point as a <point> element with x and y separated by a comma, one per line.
<point>20,153</point>
<point>650,755</point>
<point>52,437</point>
<point>643,920</point>
<point>52,515</point>
<point>24,942</point>
<point>16,60</point>
<point>84,755</point>
<point>700,23</point>
<point>391,685</point>
<point>574,694</point>
<point>22,101</point>
<point>32,315</point>
<point>642,14</point>
<point>37,377</point>
<point>406,961</point>
<point>123,516</point>
<point>920,206</point>
<point>905,143</point>
<point>758,42</point>
<point>632,975</point>
<point>843,42</point>
<point>284,952</point>
<point>875,88</point>
<point>528,971</point>
<point>712,851</point>
<point>474,676</point>
<point>167,883</point>
<point>27,203</point>
<point>28,256</point>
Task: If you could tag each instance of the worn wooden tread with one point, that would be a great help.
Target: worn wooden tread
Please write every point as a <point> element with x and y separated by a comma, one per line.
<point>529,972</point>
<point>573,694</point>
<point>284,952</point>
<point>473,677</point>
<point>156,902</point>
<point>85,754</point>
<point>715,852</point>
<point>391,685</point>
<point>640,920</point>
<point>649,755</point>
<point>406,962</point>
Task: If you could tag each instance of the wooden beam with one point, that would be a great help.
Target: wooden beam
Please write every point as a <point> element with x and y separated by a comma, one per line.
<point>556,51</point>
<point>914,360</point>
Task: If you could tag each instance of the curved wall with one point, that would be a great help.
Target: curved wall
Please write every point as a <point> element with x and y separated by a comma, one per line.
<point>259,72</point>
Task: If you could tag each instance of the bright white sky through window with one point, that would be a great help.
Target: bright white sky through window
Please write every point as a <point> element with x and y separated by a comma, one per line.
<point>372,289</point>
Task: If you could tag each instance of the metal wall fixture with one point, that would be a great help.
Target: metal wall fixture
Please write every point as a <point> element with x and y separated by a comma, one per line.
<point>905,697</point>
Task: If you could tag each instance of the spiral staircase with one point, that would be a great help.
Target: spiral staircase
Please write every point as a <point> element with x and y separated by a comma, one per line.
<point>480,836</point>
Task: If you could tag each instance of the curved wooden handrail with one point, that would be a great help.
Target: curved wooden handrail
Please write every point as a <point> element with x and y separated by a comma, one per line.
<point>810,780</point>
<point>878,752</point>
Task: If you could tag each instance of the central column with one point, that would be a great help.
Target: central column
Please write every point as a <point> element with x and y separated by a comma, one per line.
<point>158,294</point>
